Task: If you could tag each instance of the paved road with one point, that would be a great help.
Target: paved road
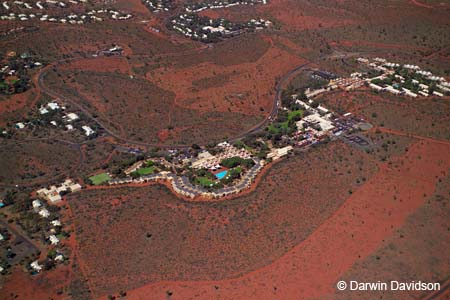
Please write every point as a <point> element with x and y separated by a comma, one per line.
<point>275,106</point>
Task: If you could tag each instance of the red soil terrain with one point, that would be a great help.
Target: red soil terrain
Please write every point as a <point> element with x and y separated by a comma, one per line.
<point>238,88</point>
<point>299,16</point>
<point>296,233</point>
<point>34,161</point>
<point>427,117</point>
<point>193,98</point>
<point>149,235</point>
<point>11,106</point>
<point>101,64</point>
<point>416,248</point>
<point>21,285</point>
<point>361,226</point>
<point>291,15</point>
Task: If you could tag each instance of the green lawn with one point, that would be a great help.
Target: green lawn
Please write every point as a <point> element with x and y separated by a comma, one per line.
<point>273,129</point>
<point>237,170</point>
<point>285,125</point>
<point>205,182</point>
<point>295,113</point>
<point>99,179</point>
<point>146,171</point>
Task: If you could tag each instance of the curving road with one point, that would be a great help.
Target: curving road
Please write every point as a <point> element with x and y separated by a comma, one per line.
<point>44,88</point>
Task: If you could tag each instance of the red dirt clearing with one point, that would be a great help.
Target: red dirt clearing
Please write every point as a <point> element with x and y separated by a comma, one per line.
<point>252,81</point>
<point>14,105</point>
<point>357,229</point>
<point>291,14</point>
<point>99,64</point>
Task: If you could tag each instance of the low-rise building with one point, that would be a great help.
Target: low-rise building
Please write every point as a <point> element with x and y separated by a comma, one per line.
<point>44,213</point>
<point>72,117</point>
<point>53,105</point>
<point>56,223</point>
<point>88,131</point>
<point>316,120</point>
<point>376,87</point>
<point>53,194</point>
<point>36,203</point>
<point>43,110</point>
<point>53,240</point>
<point>36,266</point>
<point>277,153</point>
<point>59,257</point>
<point>133,167</point>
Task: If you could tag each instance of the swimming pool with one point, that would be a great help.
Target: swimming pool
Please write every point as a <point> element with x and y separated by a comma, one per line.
<point>221,175</point>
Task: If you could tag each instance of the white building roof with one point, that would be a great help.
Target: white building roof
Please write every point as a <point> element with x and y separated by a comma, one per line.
<point>44,213</point>
<point>36,203</point>
<point>36,266</point>
<point>43,110</point>
<point>88,130</point>
<point>73,116</point>
<point>56,223</point>
<point>53,105</point>
<point>53,240</point>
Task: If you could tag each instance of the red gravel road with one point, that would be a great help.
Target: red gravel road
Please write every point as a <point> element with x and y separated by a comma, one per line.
<point>357,229</point>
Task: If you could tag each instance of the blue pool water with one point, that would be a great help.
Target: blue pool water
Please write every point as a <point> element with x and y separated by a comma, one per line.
<point>221,174</point>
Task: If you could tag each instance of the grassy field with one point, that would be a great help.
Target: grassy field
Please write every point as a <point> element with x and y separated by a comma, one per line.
<point>276,129</point>
<point>146,171</point>
<point>100,178</point>
<point>295,113</point>
<point>205,182</point>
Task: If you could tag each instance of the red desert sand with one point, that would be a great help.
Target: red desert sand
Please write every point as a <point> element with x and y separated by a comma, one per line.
<point>311,269</point>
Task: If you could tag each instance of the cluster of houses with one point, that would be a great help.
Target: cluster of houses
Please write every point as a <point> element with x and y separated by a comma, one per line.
<point>320,123</point>
<point>206,29</point>
<point>183,186</point>
<point>317,124</point>
<point>44,4</point>
<point>313,128</point>
<point>348,84</point>
<point>157,6</point>
<point>14,72</point>
<point>409,80</point>
<point>38,12</point>
<point>206,160</point>
<point>113,51</point>
<point>277,153</point>
<point>200,6</point>
<point>39,207</point>
<point>66,119</point>
<point>53,193</point>
<point>202,28</point>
